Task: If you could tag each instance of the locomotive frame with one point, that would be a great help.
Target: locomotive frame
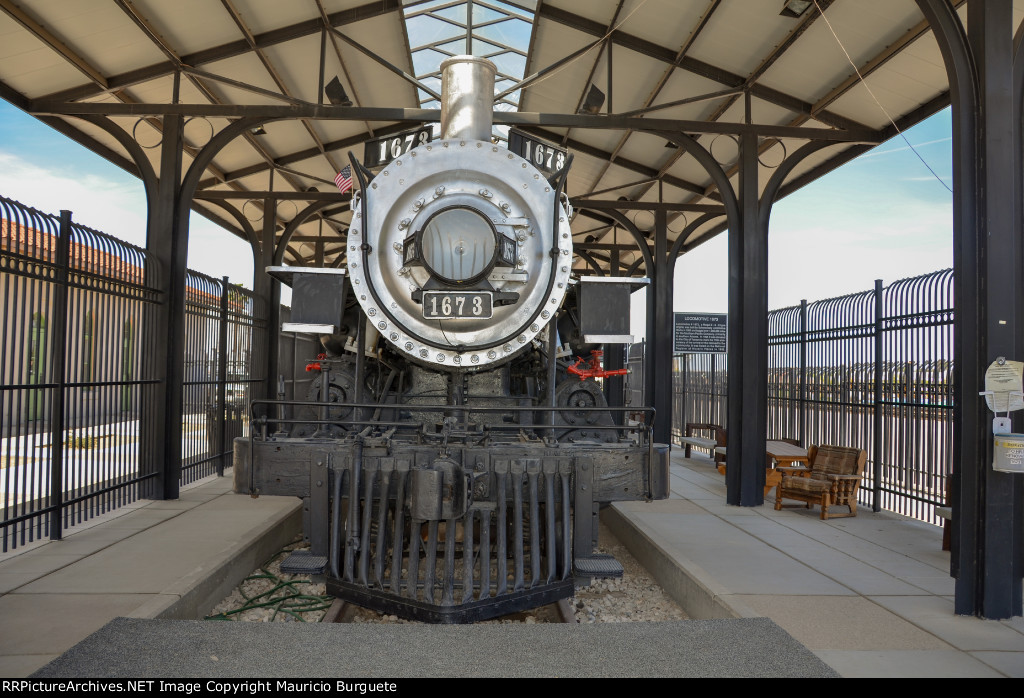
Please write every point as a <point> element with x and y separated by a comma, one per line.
<point>452,469</point>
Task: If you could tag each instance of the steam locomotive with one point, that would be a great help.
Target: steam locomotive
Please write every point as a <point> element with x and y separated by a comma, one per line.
<point>451,453</point>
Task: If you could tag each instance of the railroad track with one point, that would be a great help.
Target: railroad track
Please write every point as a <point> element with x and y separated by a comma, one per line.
<point>635,597</point>
<point>558,612</point>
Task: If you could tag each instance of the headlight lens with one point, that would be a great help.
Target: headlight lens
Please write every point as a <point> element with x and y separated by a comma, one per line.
<point>458,245</point>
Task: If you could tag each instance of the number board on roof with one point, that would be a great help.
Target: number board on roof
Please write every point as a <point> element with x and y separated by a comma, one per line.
<point>546,157</point>
<point>381,151</point>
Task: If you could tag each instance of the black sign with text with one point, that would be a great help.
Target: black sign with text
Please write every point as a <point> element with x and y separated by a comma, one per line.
<point>546,157</point>
<point>383,150</point>
<point>699,333</point>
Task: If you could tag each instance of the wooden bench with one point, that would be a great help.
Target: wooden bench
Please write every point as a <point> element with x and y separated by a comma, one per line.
<point>945,513</point>
<point>690,440</point>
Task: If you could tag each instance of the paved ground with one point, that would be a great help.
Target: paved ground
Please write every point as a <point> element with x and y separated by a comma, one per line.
<point>869,595</point>
<point>789,595</point>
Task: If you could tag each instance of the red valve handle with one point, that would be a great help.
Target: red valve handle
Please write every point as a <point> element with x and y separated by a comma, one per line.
<point>593,368</point>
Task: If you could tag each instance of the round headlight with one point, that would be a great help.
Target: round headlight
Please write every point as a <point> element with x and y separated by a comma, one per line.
<point>458,245</point>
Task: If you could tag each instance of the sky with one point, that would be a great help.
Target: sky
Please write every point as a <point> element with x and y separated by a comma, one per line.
<point>882,216</point>
<point>47,171</point>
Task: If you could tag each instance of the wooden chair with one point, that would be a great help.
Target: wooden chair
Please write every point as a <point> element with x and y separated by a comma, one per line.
<point>833,478</point>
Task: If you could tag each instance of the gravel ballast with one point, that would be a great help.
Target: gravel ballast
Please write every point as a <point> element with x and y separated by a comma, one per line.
<point>635,597</point>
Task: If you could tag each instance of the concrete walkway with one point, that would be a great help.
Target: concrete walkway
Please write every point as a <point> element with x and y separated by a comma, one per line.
<point>869,596</point>
<point>153,559</point>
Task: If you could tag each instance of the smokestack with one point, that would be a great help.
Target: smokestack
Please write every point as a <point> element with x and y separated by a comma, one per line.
<point>467,98</point>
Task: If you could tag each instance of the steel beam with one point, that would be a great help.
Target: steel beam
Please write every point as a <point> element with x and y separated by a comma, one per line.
<point>271,112</point>
<point>233,48</point>
<point>218,195</point>
<point>692,65</point>
<point>598,204</point>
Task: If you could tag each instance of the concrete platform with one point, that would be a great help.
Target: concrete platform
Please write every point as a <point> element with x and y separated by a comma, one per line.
<point>784,594</point>
<point>869,595</point>
<point>154,559</point>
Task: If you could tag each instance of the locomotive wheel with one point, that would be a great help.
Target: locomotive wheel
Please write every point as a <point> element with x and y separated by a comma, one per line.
<point>340,390</point>
<point>578,396</point>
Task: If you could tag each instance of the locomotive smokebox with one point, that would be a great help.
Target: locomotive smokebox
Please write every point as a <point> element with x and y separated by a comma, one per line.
<point>467,98</point>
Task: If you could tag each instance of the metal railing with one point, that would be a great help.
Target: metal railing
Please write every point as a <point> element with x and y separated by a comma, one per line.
<point>225,339</point>
<point>825,386</point>
<point>79,318</point>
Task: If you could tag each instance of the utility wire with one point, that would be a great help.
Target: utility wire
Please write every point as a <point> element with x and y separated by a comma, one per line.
<point>884,111</point>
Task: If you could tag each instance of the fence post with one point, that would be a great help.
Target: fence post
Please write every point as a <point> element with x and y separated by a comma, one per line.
<point>802,418</point>
<point>222,375</point>
<point>714,415</point>
<point>876,470</point>
<point>58,360</point>
<point>684,411</point>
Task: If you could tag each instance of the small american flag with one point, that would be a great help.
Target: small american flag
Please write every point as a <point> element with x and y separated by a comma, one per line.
<point>344,179</point>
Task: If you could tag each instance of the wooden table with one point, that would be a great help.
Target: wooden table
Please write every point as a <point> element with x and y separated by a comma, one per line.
<point>783,453</point>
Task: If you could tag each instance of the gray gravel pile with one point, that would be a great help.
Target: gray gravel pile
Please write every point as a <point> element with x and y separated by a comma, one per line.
<point>634,597</point>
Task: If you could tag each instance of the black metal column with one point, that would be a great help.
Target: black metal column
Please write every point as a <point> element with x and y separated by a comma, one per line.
<point>992,502</point>
<point>167,239</point>
<point>748,340</point>
<point>987,506</point>
<point>660,365</point>
<point>269,289</point>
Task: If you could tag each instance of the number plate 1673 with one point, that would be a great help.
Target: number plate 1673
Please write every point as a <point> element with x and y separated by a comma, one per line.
<point>446,305</point>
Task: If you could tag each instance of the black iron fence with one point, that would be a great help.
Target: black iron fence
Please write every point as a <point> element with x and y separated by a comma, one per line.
<point>825,386</point>
<point>78,382</point>
<point>225,356</point>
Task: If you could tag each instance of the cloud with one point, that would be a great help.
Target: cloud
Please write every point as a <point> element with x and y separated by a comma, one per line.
<point>117,207</point>
<point>114,207</point>
<point>899,149</point>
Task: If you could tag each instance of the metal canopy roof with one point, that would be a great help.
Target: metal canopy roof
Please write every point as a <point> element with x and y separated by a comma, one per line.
<point>697,57</point>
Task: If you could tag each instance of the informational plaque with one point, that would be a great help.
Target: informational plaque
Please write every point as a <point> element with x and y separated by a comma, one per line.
<point>699,333</point>
<point>1003,385</point>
